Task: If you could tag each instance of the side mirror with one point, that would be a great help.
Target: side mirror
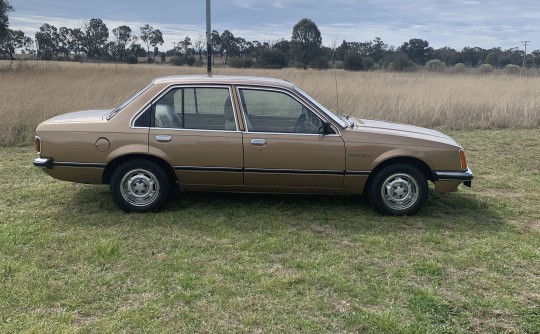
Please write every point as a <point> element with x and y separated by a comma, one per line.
<point>325,128</point>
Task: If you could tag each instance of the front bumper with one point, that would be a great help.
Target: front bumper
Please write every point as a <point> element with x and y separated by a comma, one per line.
<point>43,163</point>
<point>466,177</point>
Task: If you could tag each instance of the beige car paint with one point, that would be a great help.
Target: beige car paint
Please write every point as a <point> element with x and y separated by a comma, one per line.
<point>81,138</point>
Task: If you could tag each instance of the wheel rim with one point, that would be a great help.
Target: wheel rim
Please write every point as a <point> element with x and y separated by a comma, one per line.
<point>139,187</point>
<point>399,191</point>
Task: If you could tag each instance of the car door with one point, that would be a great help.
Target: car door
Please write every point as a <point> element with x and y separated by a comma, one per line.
<point>283,147</point>
<point>195,129</point>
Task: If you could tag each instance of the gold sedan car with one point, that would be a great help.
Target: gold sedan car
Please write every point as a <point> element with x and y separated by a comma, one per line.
<point>245,134</point>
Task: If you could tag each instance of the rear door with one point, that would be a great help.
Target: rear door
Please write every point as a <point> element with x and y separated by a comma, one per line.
<point>195,129</point>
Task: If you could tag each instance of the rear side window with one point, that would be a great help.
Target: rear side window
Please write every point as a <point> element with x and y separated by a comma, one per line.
<point>144,121</point>
<point>195,108</point>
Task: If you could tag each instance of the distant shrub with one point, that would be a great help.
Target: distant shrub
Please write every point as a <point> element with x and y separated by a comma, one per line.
<point>353,61</point>
<point>272,59</point>
<point>177,61</point>
<point>435,65</point>
<point>321,63</point>
<point>47,55</point>
<point>190,60</point>
<point>338,64</point>
<point>368,63</point>
<point>459,68</point>
<point>485,68</point>
<point>132,59</point>
<point>512,69</point>
<point>238,62</point>
<point>198,63</point>
<point>491,59</point>
<point>401,62</point>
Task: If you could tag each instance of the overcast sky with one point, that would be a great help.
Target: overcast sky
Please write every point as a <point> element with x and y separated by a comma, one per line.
<point>454,23</point>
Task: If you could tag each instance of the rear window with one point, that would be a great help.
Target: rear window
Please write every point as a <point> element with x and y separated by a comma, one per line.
<point>128,101</point>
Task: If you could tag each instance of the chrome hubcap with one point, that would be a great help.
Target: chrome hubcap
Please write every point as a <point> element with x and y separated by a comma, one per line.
<point>399,191</point>
<point>139,187</point>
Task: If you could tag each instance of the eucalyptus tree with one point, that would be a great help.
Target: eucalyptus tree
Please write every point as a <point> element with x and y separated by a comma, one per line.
<point>151,37</point>
<point>14,41</point>
<point>306,42</point>
<point>96,36</point>
<point>5,7</point>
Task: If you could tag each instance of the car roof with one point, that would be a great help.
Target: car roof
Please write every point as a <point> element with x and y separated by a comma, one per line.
<point>224,79</point>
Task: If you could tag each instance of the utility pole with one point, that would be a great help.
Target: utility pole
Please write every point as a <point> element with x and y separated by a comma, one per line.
<point>525,43</point>
<point>208,39</point>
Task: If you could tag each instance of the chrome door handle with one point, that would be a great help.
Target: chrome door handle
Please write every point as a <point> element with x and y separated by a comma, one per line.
<point>164,138</point>
<point>258,142</point>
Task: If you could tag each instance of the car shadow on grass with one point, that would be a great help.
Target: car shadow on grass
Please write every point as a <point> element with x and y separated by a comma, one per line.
<point>454,211</point>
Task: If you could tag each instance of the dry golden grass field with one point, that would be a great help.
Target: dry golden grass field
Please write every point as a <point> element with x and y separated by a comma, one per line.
<point>31,92</point>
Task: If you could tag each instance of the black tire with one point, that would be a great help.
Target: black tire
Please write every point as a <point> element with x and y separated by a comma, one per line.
<point>139,186</point>
<point>398,190</point>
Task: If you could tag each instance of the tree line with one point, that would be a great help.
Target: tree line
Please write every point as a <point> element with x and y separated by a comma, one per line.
<point>95,41</point>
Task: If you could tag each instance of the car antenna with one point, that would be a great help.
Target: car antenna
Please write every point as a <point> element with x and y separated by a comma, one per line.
<point>335,75</point>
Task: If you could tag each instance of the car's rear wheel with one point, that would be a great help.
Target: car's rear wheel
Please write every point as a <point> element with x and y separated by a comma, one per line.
<point>139,186</point>
<point>398,190</point>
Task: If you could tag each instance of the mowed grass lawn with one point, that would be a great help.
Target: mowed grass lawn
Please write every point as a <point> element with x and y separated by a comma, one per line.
<point>70,261</point>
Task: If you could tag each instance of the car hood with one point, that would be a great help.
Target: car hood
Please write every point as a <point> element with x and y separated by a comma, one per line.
<point>402,130</point>
<point>87,116</point>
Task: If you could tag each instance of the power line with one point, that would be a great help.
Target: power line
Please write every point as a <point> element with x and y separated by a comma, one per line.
<point>525,43</point>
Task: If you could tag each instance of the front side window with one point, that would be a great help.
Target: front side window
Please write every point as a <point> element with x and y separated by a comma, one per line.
<point>195,108</point>
<point>272,111</point>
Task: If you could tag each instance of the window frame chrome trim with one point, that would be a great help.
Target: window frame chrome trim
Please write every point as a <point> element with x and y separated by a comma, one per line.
<point>198,130</point>
<point>170,87</point>
<point>296,96</point>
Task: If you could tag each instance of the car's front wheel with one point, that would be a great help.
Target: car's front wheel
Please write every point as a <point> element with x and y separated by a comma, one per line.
<point>139,186</point>
<point>398,190</point>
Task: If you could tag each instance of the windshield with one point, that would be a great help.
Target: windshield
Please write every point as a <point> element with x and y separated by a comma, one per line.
<point>128,101</point>
<point>322,108</point>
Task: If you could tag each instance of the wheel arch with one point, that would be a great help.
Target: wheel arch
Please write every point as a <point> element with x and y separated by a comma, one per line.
<point>113,164</point>
<point>421,165</point>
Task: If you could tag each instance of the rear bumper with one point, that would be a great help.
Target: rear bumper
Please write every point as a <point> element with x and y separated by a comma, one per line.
<point>43,163</point>
<point>465,177</point>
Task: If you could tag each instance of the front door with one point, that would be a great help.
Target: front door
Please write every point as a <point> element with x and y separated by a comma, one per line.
<point>283,147</point>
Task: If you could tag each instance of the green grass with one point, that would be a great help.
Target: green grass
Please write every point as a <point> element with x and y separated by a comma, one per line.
<point>70,261</point>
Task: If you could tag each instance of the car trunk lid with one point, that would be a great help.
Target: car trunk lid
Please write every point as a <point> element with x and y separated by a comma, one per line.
<point>86,116</point>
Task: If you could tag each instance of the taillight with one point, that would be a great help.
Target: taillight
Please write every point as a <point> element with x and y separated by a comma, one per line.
<point>463,160</point>
<point>37,144</point>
